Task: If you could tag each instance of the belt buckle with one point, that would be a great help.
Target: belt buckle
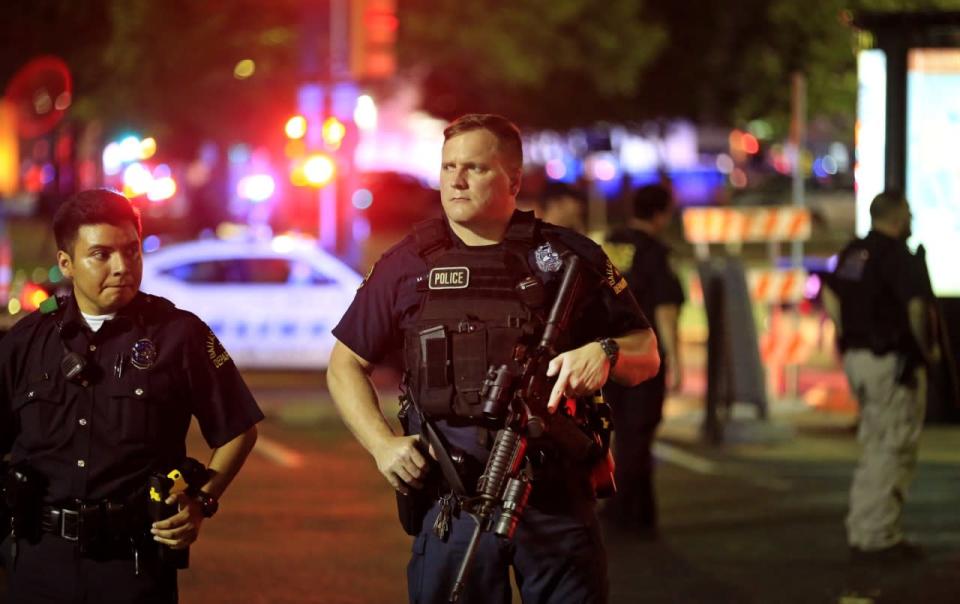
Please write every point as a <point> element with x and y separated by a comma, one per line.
<point>70,524</point>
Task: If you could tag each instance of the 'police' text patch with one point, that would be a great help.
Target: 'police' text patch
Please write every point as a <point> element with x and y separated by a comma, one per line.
<point>449,277</point>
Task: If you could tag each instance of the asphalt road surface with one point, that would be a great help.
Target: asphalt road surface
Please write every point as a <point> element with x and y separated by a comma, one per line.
<point>310,520</point>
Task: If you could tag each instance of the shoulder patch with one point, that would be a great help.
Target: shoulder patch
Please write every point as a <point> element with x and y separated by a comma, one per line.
<point>215,350</point>
<point>367,276</point>
<point>614,279</point>
<point>621,254</point>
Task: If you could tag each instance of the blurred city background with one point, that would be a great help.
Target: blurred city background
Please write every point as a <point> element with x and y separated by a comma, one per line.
<point>276,149</point>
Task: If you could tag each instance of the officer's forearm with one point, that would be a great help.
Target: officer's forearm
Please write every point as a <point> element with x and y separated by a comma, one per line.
<point>918,313</point>
<point>831,304</point>
<point>666,316</point>
<point>356,399</point>
<point>226,461</point>
<point>639,359</point>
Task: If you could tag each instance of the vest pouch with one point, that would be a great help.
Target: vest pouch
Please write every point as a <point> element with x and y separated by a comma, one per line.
<point>436,388</point>
<point>470,366</point>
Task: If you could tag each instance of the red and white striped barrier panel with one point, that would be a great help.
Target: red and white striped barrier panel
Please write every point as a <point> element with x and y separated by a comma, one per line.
<point>785,348</point>
<point>773,286</point>
<point>748,224</point>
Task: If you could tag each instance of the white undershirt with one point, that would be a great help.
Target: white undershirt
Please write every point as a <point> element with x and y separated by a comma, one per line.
<point>96,321</point>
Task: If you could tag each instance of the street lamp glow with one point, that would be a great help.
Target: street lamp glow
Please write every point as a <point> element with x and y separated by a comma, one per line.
<point>296,127</point>
<point>244,69</point>
<point>130,148</point>
<point>256,187</point>
<point>112,159</point>
<point>333,132</point>
<point>161,189</point>
<point>365,113</point>
<point>136,180</point>
<point>318,170</point>
<point>148,147</point>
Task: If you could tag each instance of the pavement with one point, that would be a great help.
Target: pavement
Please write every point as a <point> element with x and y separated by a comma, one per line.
<point>758,519</point>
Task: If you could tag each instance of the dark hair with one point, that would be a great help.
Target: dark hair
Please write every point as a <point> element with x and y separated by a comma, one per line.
<point>507,133</point>
<point>555,191</point>
<point>884,206</point>
<point>96,206</point>
<point>650,200</point>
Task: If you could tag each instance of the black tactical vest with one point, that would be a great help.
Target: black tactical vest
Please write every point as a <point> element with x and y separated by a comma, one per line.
<point>472,315</point>
<point>870,317</point>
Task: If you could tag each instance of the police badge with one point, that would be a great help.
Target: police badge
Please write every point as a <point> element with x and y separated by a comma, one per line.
<point>143,354</point>
<point>548,260</point>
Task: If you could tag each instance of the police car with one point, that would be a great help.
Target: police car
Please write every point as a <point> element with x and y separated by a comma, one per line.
<point>272,304</point>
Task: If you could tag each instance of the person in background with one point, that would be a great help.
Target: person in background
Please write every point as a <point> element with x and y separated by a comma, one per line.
<point>640,253</point>
<point>877,298</point>
<point>564,206</point>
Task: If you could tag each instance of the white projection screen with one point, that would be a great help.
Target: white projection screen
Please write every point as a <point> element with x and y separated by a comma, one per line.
<point>933,161</point>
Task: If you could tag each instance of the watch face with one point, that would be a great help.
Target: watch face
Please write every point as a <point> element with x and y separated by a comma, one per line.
<point>208,505</point>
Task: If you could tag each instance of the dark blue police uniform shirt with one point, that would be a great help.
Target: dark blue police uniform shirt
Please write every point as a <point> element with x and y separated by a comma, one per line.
<point>645,263</point>
<point>101,438</point>
<point>388,301</point>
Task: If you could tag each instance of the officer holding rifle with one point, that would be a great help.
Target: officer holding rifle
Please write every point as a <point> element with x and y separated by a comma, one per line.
<point>508,326</point>
<point>97,391</point>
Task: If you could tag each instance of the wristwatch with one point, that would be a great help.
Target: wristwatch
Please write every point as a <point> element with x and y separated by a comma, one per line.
<point>208,504</point>
<point>611,349</point>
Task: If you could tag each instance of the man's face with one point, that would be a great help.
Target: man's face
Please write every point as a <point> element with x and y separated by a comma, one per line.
<point>105,265</point>
<point>906,222</point>
<point>476,186</point>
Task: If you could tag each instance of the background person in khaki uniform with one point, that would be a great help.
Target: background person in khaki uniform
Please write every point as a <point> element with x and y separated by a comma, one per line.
<point>876,297</point>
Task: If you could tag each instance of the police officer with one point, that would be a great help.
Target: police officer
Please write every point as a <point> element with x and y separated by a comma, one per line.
<point>639,251</point>
<point>877,299</point>
<point>447,296</point>
<point>563,205</point>
<point>97,391</point>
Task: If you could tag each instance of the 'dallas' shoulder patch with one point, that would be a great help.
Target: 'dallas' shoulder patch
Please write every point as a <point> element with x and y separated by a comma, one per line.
<point>367,276</point>
<point>614,279</point>
<point>621,254</point>
<point>215,350</point>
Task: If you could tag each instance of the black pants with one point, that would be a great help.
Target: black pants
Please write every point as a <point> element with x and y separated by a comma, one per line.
<point>52,571</point>
<point>637,412</point>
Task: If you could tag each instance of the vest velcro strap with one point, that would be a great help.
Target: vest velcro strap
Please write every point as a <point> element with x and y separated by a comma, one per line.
<point>431,237</point>
<point>523,227</point>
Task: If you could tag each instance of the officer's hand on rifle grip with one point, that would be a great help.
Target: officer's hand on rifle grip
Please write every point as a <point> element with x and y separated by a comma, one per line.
<point>183,528</point>
<point>579,372</point>
<point>401,461</point>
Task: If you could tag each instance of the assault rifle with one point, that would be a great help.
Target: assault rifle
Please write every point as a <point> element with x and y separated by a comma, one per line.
<point>517,394</point>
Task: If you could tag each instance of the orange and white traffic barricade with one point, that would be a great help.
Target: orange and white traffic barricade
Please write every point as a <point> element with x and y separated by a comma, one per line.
<point>777,286</point>
<point>746,224</point>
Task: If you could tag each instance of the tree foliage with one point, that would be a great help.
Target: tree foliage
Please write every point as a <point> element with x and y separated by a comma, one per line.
<point>542,62</point>
<point>167,68</point>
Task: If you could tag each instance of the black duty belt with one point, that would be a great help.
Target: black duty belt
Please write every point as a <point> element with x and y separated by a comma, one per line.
<point>84,523</point>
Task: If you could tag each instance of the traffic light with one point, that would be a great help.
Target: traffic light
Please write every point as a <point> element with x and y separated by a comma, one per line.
<point>373,37</point>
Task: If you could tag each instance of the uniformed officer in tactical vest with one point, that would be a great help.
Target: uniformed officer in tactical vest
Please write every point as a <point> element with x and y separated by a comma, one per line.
<point>877,298</point>
<point>463,298</point>
<point>97,391</point>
